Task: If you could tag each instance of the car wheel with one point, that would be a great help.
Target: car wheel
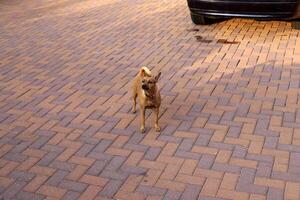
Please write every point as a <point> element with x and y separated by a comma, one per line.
<point>296,25</point>
<point>200,19</point>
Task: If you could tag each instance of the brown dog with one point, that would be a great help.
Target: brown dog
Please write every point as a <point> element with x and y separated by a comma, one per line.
<point>145,88</point>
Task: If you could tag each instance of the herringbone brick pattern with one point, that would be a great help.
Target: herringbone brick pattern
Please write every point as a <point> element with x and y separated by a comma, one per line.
<point>230,111</point>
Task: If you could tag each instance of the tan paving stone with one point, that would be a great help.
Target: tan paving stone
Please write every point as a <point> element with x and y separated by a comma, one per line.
<point>188,167</point>
<point>292,191</point>
<point>51,191</point>
<point>93,180</point>
<point>196,180</point>
<point>270,183</point>
<point>33,185</point>
<point>210,187</point>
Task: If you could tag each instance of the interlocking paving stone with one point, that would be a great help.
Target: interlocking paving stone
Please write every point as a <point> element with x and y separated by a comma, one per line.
<point>28,196</point>
<point>191,192</point>
<point>73,186</point>
<point>70,195</point>
<point>111,188</point>
<point>229,116</point>
<point>172,195</point>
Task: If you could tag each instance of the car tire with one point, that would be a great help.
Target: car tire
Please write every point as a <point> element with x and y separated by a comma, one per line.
<point>296,25</point>
<point>200,19</point>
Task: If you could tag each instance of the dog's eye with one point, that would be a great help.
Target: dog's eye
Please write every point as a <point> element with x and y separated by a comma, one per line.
<point>143,81</point>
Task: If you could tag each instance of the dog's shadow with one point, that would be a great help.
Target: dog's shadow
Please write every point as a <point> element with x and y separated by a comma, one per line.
<point>201,97</point>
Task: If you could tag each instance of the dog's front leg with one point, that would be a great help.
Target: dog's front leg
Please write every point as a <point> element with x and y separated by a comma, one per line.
<point>134,102</point>
<point>143,112</point>
<point>157,128</point>
<point>134,96</point>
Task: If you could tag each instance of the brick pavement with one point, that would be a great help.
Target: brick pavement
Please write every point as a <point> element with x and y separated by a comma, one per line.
<point>230,114</point>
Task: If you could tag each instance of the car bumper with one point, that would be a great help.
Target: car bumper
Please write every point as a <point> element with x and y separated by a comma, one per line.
<point>280,9</point>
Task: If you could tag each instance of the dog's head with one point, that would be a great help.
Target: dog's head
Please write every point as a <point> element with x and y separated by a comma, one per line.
<point>149,82</point>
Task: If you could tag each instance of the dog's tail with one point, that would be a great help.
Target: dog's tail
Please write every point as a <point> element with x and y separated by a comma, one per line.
<point>144,71</point>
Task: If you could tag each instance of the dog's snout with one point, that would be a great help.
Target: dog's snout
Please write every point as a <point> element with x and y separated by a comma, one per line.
<point>145,87</point>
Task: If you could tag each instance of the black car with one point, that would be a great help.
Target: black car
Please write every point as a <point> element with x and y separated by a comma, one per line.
<point>204,11</point>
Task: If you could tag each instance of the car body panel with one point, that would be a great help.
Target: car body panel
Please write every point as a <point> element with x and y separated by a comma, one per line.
<point>274,9</point>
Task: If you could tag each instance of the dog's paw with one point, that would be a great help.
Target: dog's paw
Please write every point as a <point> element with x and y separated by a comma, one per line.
<point>143,129</point>
<point>157,129</point>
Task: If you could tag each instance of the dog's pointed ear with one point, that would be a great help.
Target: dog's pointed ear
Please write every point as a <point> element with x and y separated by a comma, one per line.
<point>142,72</point>
<point>157,76</point>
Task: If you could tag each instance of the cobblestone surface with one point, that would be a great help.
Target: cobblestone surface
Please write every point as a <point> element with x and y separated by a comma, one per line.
<point>230,110</point>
